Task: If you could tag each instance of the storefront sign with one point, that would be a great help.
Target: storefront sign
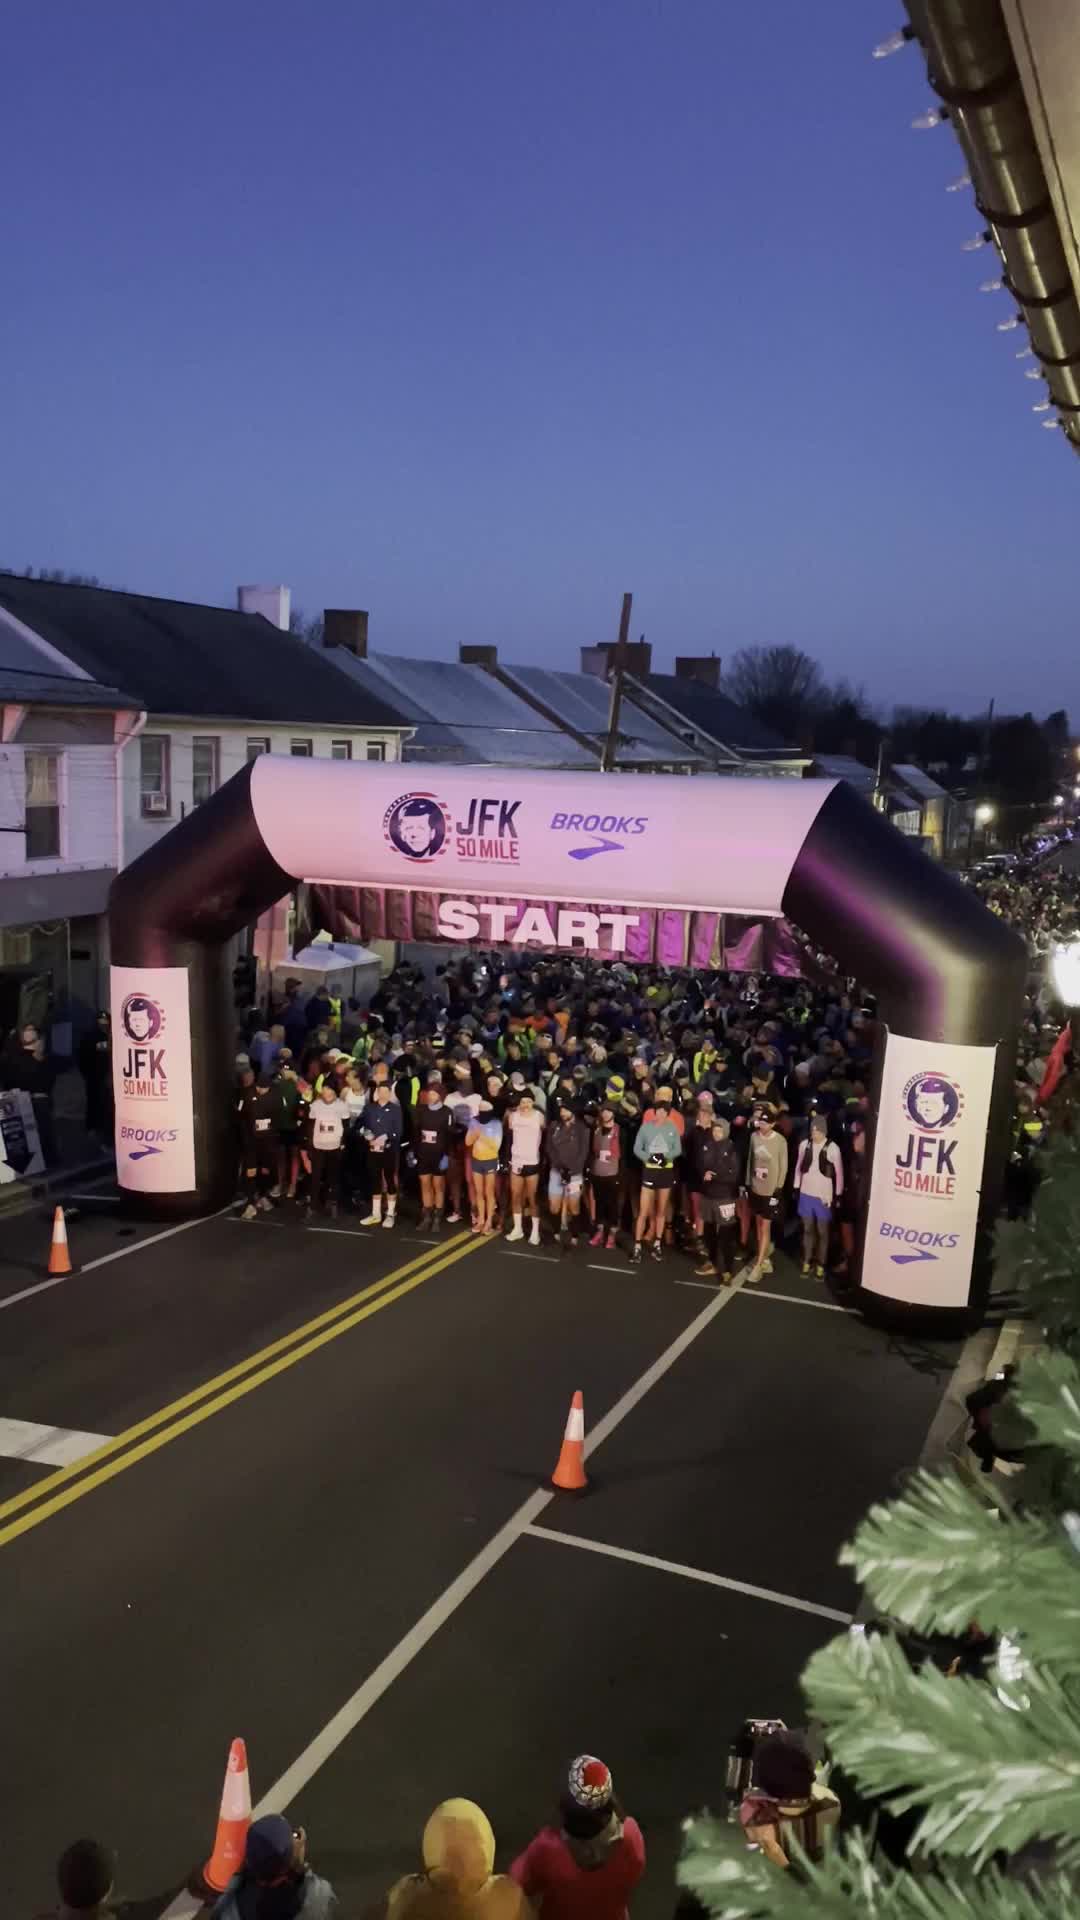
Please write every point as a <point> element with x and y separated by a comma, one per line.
<point>20,1149</point>
<point>155,1137</point>
<point>928,1168</point>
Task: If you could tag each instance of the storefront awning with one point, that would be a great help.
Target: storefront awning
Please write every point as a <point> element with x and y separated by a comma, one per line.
<point>54,896</point>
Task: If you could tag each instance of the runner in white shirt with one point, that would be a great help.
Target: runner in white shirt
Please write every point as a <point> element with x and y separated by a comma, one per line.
<point>526,1132</point>
<point>328,1117</point>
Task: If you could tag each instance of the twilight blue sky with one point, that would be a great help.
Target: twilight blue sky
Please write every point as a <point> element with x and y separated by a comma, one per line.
<point>475,312</point>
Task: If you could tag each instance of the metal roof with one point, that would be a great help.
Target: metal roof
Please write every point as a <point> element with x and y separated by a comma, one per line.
<point>180,658</point>
<point>582,701</point>
<point>29,674</point>
<point>840,766</point>
<point>465,714</point>
<point>713,714</point>
<point>918,782</point>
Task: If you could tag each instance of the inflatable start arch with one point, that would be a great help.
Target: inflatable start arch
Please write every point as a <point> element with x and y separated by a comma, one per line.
<point>576,860</point>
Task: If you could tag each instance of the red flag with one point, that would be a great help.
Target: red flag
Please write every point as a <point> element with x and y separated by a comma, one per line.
<point>1055,1065</point>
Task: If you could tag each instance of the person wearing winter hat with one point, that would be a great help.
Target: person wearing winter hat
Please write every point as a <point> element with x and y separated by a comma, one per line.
<point>605,1184</point>
<point>525,1125</point>
<point>568,1155</point>
<point>587,1866</point>
<point>719,1169</point>
<point>785,1801</point>
<point>275,1881</point>
<point>819,1183</point>
<point>766,1172</point>
<point>457,1882</point>
<point>483,1143</point>
<point>85,1873</point>
<point>658,1145</point>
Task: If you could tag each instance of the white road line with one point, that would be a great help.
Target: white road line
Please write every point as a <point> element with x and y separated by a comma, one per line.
<point>788,1299</point>
<point>690,1573</point>
<point>118,1253</point>
<point>595,1268</point>
<point>325,1743</point>
<point>47,1446</point>
<point>551,1258</point>
<point>350,1233</point>
<point>151,1240</point>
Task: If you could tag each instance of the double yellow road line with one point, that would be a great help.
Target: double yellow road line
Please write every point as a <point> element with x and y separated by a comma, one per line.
<point>59,1490</point>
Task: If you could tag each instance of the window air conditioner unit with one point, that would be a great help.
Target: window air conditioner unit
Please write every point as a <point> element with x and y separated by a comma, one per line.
<point>155,803</point>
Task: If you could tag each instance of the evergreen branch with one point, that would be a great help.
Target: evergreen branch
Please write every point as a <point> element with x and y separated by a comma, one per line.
<point>939,1558</point>
<point>735,1884</point>
<point>1048,1392</point>
<point>1037,1256</point>
<point>984,1776</point>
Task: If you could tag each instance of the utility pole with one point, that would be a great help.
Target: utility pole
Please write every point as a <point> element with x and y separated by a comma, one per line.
<point>611,744</point>
<point>879,777</point>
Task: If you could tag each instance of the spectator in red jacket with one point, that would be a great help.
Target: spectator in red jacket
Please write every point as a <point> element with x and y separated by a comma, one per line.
<point>586,1868</point>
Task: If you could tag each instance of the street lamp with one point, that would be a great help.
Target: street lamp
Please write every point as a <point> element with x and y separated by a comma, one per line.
<point>984,813</point>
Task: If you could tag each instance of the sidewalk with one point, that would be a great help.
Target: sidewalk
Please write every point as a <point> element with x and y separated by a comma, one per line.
<point>80,1155</point>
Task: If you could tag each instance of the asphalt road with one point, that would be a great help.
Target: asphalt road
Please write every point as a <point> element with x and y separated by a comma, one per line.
<point>251,1560</point>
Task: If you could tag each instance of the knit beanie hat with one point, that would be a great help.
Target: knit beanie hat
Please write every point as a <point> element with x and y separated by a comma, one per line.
<point>588,1783</point>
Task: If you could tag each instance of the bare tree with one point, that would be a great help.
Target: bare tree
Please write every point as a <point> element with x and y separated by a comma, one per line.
<point>54,574</point>
<point>781,686</point>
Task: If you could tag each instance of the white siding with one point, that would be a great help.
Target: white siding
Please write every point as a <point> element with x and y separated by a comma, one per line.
<point>140,832</point>
<point>87,808</point>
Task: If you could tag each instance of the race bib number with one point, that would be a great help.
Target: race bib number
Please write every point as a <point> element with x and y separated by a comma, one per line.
<point>727,1210</point>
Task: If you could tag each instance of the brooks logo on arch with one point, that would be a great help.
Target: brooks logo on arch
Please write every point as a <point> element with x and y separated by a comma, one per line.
<point>601,826</point>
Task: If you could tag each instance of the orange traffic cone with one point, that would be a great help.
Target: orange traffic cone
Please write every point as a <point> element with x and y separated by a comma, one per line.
<point>570,1476</point>
<point>59,1257</point>
<point>234,1820</point>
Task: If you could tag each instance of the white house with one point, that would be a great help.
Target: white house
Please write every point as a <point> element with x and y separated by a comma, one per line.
<point>62,741</point>
<point>92,776</point>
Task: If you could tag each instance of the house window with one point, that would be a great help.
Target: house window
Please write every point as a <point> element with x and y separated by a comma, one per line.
<point>42,806</point>
<point>204,768</point>
<point>154,774</point>
<point>376,750</point>
<point>256,745</point>
<point>341,749</point>
<point>300,749</point>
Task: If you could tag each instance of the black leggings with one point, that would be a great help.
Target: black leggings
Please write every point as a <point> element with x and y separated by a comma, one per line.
<point>325,1162</point>
<point>257,1175</point>
<point>722,1239</point>
<point>606,1202</point>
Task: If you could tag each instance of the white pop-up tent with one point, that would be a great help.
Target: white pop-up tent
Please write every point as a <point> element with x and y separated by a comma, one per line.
<point>344,969</point>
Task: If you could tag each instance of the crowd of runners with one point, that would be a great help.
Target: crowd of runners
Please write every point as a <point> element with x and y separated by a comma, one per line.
<point>568,1099</point>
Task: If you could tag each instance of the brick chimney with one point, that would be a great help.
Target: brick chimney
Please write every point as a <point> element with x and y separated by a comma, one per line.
<point>598,660</point>
<point>699,666</point>
<point>476,656</point>
<point>346,627</point>
<point>272,602</point>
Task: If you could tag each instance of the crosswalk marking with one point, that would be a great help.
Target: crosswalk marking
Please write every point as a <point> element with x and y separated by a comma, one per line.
<point>46,1446</point>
